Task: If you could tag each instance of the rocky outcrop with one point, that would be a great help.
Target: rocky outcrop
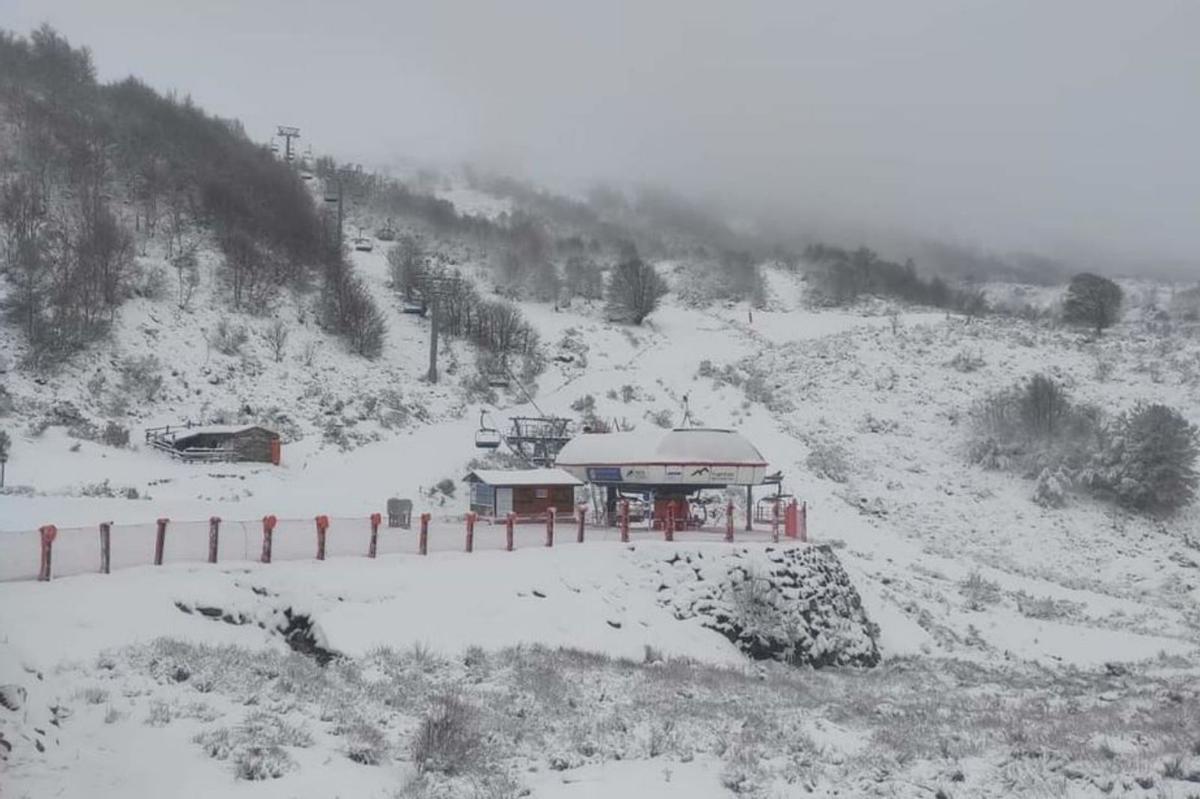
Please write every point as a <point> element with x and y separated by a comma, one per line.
<point>795,605</point>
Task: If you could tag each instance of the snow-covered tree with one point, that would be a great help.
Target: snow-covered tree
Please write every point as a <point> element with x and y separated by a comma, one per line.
<point>634,290</point>
<point>1092,300</point>
<point>1149,462</point>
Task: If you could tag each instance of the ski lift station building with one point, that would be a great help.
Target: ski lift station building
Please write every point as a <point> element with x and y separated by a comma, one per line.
<point>667,469</point>
<point>526,492</point>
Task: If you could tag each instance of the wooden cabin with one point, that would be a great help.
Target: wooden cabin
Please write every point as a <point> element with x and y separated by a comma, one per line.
<point>217,443</point>
<point>526,492</point>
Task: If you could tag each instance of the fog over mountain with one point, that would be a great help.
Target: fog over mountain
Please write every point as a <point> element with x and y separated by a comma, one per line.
<point>1067,128</point>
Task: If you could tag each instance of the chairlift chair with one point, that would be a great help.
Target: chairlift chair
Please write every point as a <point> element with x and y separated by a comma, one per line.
<point>486,437</point>
<point>364,244</point>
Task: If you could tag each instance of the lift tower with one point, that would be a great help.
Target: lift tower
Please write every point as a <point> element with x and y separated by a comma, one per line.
<point>288,133</point>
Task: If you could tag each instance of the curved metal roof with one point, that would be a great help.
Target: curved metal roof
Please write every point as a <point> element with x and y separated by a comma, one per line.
<point>679,446</point>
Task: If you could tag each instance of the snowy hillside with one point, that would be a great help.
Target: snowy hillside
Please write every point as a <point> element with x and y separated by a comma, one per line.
<point>976,591</point>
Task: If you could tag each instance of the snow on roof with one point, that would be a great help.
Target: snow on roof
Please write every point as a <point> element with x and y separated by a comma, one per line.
<point>522,477</point>
<point>682,445</point>
<point>215,429</point>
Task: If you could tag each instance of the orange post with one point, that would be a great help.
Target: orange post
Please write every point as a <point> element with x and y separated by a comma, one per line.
<point>580,519</point>
<point>471,531</point>
<point>423,540</point>
<point>269,523</point>
<point>160,540</point>
<point>105,546</point>
<point>276,451</point>
<point>625,521</point>
<point>804,521</point>
<point>509,521</point>
<point>49,532</point>
<point>550,526</point>
<point>669,527</point>
<point>729,521</point>
<point>322,527</point>
<point>376,520</point>
<point>214,530</point>
<point>791,519</point>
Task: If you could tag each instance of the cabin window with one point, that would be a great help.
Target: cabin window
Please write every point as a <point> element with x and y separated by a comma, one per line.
<point>541,493</point>
<point>481,494</point>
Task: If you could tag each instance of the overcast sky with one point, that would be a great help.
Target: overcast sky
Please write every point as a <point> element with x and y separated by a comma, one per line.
<point>1057,125</point>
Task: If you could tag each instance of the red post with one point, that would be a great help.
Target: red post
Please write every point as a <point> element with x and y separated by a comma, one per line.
<point>775,521</point>
<point>49,532</point>
<point>804,521</point>
<point>105,546</point>
<point>509,521</point>
<point>214,529</point>
<point>669,527</point>
<point>625,521</point>
<point>423,540</point>
<point>322,526</point>
<point>791,517</point>
<point>269,523</point>
<point>729,521</point>
<point>160,540</point>
<point>550,526</point>
<point>376,520</point>
<point>580,519</point>
<point>471,531</point>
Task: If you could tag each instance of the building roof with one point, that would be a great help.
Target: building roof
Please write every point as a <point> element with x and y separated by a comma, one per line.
<point>522,477</point>
<point>679,446</point>
<point>218,430</point>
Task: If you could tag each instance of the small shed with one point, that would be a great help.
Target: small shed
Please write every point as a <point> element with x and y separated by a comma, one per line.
<point>218,443</point>
<point>526,492</point>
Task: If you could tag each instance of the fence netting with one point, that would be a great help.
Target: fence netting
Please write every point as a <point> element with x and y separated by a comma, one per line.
<point>77,550</point>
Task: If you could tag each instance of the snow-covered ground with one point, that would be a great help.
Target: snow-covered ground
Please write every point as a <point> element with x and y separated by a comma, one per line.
<point>864,411</point>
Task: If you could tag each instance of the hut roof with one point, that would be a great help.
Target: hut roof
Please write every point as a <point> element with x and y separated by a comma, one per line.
<point>522,477</point>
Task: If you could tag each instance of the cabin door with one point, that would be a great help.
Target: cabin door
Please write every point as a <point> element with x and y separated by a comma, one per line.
<point>504,501</point>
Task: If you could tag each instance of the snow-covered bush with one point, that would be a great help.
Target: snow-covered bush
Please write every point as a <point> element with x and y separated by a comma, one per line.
<point>141,377</point>
<point>366,744</point>
<point>828,459</point>
<point>228,338</point>
<point>114,435</point>
<point>448,739</point>
<point>1032,427</point>
<point>967,361</point>
<point>1051,488</point>
<point>979,592</point>
<point>262,763</point>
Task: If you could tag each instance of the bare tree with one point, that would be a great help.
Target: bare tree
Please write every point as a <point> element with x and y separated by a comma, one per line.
<point>276,337</point>
<point>187,274</point>
<point>634,290</point>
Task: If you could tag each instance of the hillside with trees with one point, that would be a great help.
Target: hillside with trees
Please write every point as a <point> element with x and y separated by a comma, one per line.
<point>93,174</point>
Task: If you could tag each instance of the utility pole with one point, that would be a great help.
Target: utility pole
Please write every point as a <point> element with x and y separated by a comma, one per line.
<point>288,133</point>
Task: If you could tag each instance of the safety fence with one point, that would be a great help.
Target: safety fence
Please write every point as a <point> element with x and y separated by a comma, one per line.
<point>59,552</point>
